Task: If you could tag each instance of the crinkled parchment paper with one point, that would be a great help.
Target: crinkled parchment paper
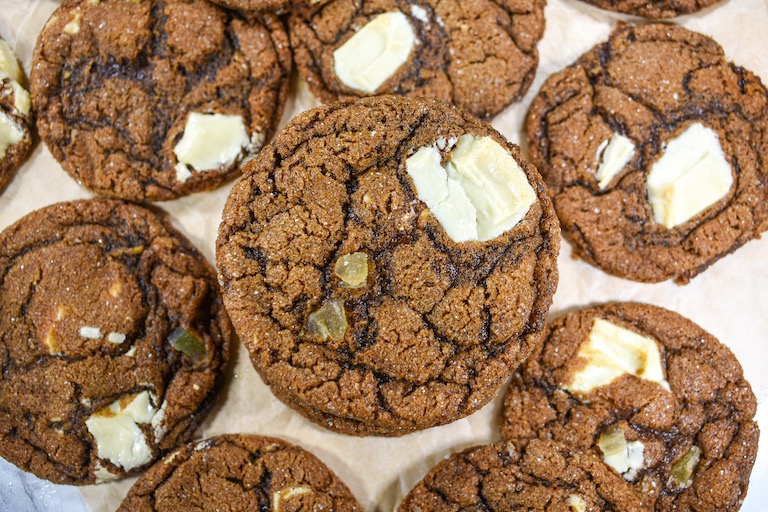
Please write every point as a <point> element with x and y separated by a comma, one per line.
<point>730,300</point>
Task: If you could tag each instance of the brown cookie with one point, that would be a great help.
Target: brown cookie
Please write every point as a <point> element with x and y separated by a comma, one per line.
<point>653,147</point>
<point>658,398</point>
<point>480,55</point>
<point>245,472</point>
<point>653,8</point>
<point>15,115</point>
<point>157,99</point>
<point>255,5</point>
<point>356,301</point>
<point>538,476</point>
<point>113,340</point>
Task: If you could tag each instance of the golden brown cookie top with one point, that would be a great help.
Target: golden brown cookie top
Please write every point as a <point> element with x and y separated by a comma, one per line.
<point>348,285</point>
<point>241,472</point>
<point>652,147</point>
<point>659,399</point>
<point>113,340</point>
<point>154,100</point>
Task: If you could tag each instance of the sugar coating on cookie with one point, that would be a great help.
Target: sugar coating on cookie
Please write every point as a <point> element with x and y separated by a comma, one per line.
<point>114,340</point>
<point>478,55</point>
<point>15,115</point>
<point>651,145</point>
<point>655,8</point>
<point>245,472</point>
<point>359,305</point>
<point>667,406</point>
<point>155,100</point>
<point>539,475</point>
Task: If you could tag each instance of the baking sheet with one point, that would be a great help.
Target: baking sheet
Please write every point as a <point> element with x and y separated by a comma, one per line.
<point>728,300</point>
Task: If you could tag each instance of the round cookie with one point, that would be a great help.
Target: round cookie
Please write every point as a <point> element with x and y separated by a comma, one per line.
<point>654,8</point>
<point>358,305</point>
<point>113,340</point>
<point>658,398</point>
<point>246,472</point>
<point>154,100</point>
<point>255,5</point>
<point>480,55</point>
<point>538,476</point>
<point>15,115</point>
<point>653,146</point>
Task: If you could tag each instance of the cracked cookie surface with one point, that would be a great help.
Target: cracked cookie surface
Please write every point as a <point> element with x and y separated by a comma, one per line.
<point>126,91</point>
<point>435,327</point>
<point>480,54</point>
<point>540,475</point>
<point>113,340</point>
<point>648,86</point>
<point>653,8</point>
<point>15,116</point>
<point>245,472</point>
<point>684,435</point>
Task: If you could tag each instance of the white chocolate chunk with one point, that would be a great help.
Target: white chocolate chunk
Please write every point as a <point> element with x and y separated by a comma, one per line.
<point>93,333</point>
<point>117,434</point>
<point>286,494</point>
<point>103,475</point>
<point>626,458</point>
<point>375,52</point>
<point>210,141</point>
<point>157,422</point>
<point>616,153</point>
<point>481,193</point>
<point>419,13</point>
<point>9,66</point>
<point>577,503</point>
<point>73,27</point>
<point>10,133</point>
<point>612,351</point>
<point>116,337</point>
<point>691,175</point>
<point>21,101</point>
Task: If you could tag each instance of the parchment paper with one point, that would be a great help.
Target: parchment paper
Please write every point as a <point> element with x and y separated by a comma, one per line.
<point>729,299</point>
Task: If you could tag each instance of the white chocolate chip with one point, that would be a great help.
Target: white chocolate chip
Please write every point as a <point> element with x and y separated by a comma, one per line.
<point>691,175</point>
<point>103,475</point>
<point>625,458</point>
<point>131,352</point>
<point>10,133</point>
<point>481,193</point>
<point>73,27</point>
<point>116,337</point>
<point>115,428</point>
<point>375,52</point>
<point>157,421</point>
<point>577,503</point>
<point>612,351</point>
<point>93,333</point>
<point>9,66</point>
<point>286,494</point>
<point>21,101</point>
<point>210,141</point>
<point>419,13</point>
<point>613,155</point>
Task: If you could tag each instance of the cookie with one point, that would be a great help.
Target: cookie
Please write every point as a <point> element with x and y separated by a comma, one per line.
<point>652,146</point>
<point>655,8</point>
<point>538,476</point>
<point>387,263</point>
<point>245,472</point>
<point>254,5</point>
<point>113,340</point>
<point>654,395</point>
<point>154,100</point>
<point>480,55</point>
<point>15,115</point>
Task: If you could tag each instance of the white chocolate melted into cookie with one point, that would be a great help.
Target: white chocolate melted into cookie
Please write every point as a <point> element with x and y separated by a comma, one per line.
<point>626,458</point>
<point>375,52</point>
<point>612,351</point>
<point>118,436</point>
<point>210,141</point>
<point>691,175</point>
<point>613,154</point>
<point>10,133</point>
<point>480,193</point>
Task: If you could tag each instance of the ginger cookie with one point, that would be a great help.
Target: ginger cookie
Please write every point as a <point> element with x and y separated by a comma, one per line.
<point>255,5</point>
<point>387,263</point>
<point>15,115</point>
<point>540,475</point>
<point>480,55</point>
<point>157,99</point>
<point>654,8</point>
<point>113,340</point>
<point>245,472</point>
<point>652,146</point>
<point>655,396</point>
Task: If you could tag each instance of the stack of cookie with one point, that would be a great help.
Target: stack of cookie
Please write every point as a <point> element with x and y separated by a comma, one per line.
<point>388,260</point>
